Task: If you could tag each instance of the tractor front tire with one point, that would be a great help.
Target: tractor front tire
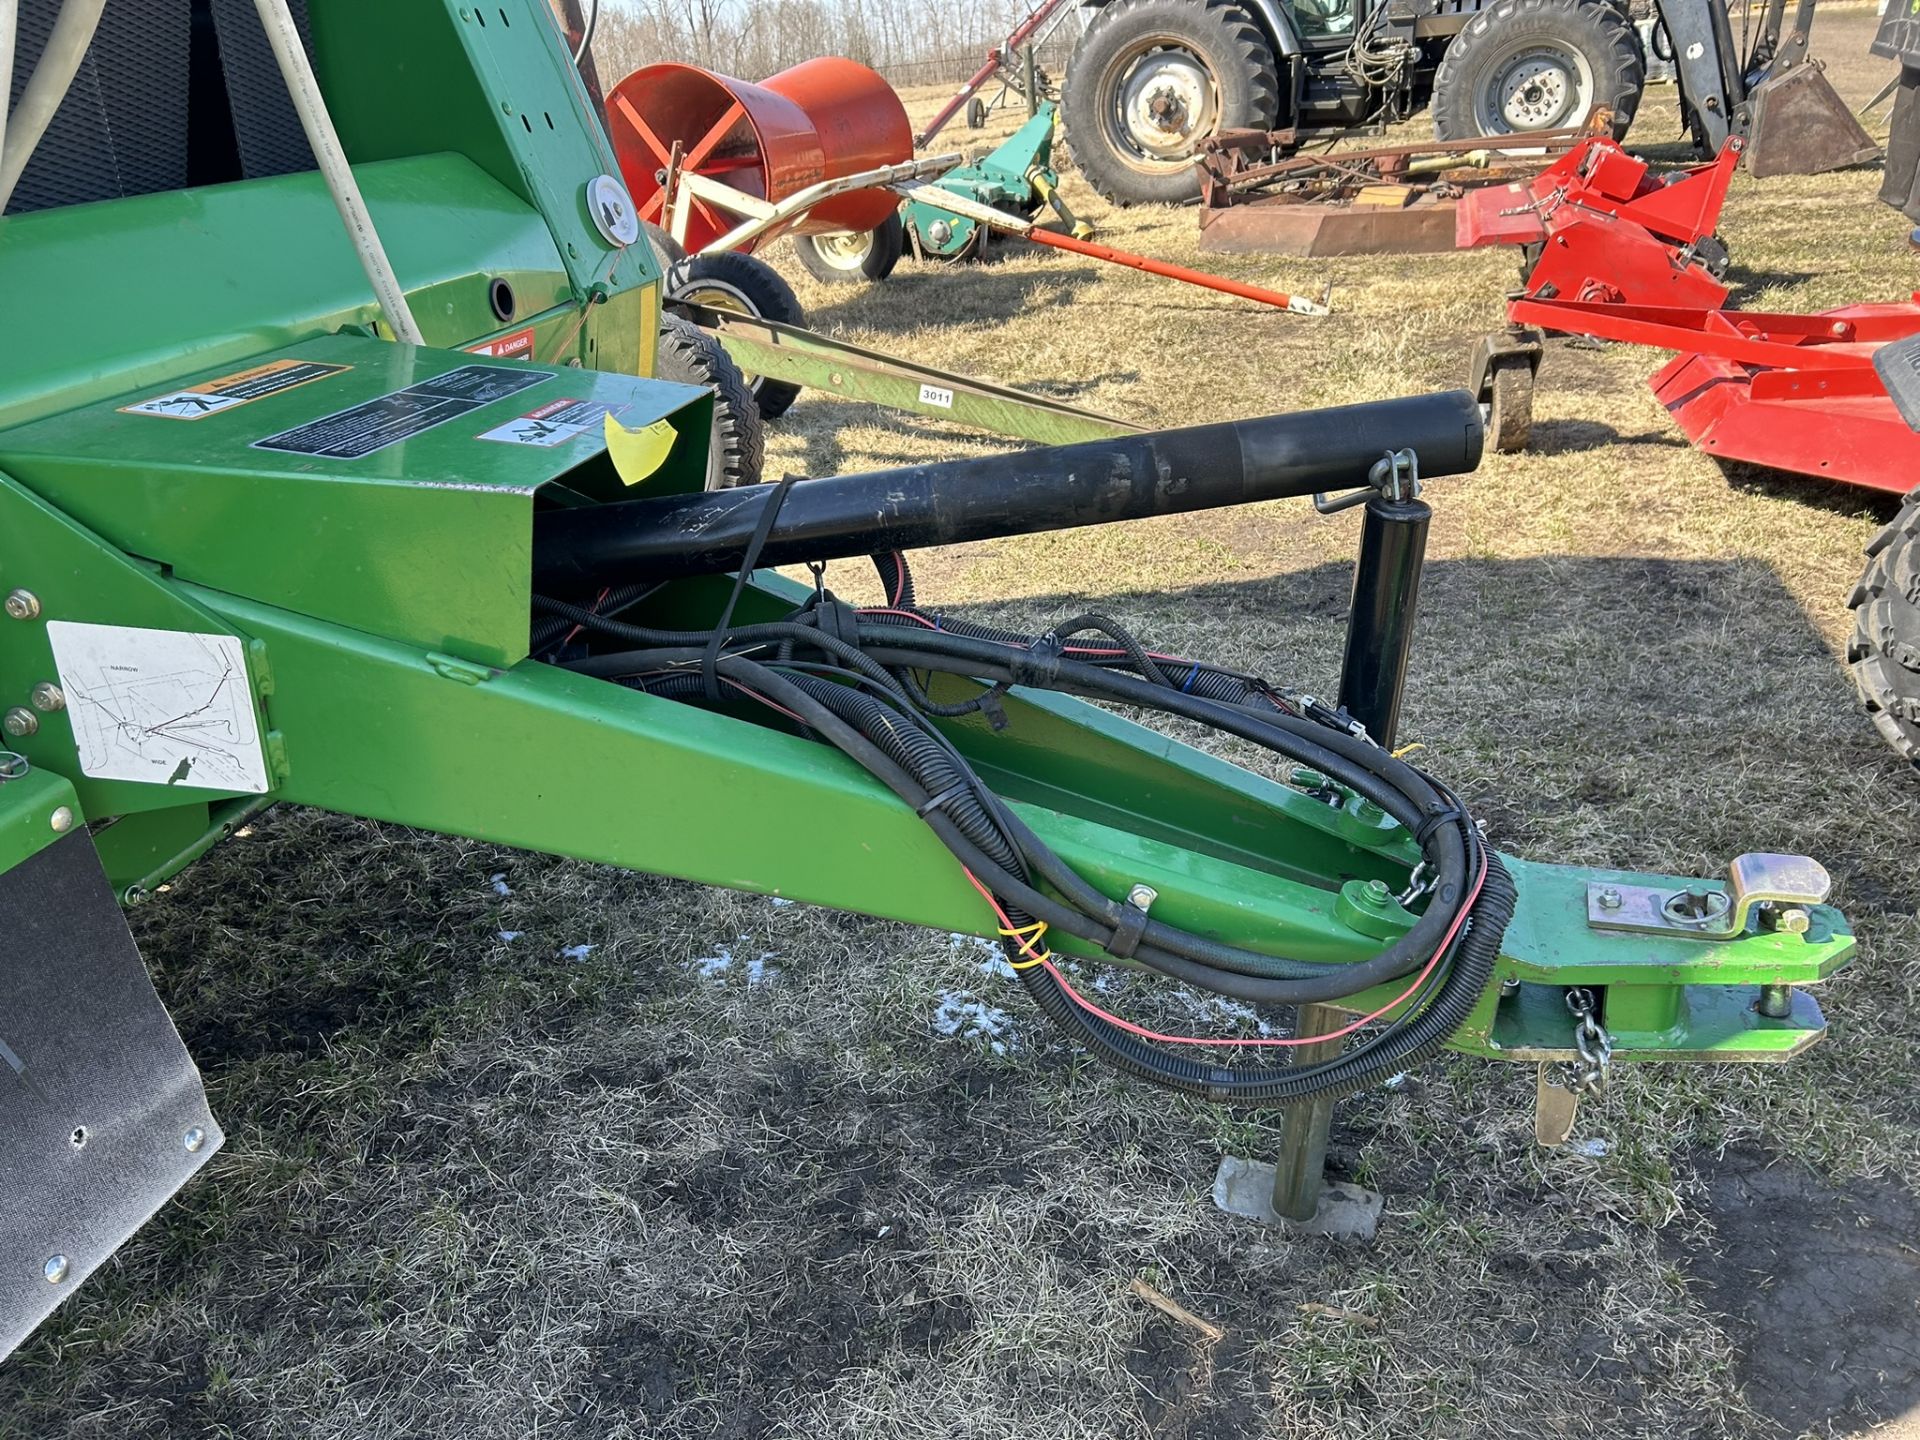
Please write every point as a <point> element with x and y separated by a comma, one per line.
<point>736,446</point>
<point>1151,80</point>
<point>1884,652</point>
<point>1538,65</point>
<point>728,280</point>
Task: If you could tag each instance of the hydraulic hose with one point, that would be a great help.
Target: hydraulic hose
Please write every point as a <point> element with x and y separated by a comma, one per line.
<point>860,695</point>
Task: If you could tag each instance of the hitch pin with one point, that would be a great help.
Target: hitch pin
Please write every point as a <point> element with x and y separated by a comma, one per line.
<point>1396,475</point>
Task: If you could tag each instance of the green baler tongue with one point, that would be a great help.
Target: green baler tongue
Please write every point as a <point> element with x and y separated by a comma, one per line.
<point>317,478</point>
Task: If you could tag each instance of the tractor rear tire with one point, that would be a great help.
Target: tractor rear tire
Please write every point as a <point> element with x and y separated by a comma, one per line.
<point>841,260</point>
<point>728,280</point>
<point>737,445</point>
<point>1204,65</point>
<point>1538,65</point>
<point>1885,649</point>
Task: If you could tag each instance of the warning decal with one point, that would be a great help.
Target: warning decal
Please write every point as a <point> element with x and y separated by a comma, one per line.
<point>166,707</point>
<point>209,397</point>
<point>517,346</point>
<point>388,419</point>
<point>554,423</point>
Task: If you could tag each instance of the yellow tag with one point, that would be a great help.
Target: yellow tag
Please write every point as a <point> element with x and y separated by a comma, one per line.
<point>636,454</point>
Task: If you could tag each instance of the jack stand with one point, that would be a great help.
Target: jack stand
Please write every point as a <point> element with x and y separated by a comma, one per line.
<point>1386,592</point>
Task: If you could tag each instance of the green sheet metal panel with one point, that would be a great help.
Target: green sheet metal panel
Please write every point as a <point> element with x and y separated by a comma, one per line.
<point>492,81</point>
<point>425,539</point>
<point>74,576</point>
<point>137,292</point>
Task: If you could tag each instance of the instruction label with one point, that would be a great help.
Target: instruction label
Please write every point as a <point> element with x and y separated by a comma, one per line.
<point>936,395</point>
<point>517,346</point>
<point>166,707</point>
<point>554,423</point>
<point>388,419</point>
<point>209,397</point>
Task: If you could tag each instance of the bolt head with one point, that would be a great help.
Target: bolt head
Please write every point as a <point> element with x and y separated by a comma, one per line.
<point>61,820</point>
<point>194,1139</point>
<point>20,722</point>
<point>48,697</point>
<point>1792,920</point>
<point>23,604</point>
<point>1141,897</point>
<point>1378,891</point>
<point>56,1269</point>
<point>1610,899</point>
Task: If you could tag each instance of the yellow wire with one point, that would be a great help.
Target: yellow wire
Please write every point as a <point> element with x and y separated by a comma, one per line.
<point>1406,750</point>
<point>1029,936</point>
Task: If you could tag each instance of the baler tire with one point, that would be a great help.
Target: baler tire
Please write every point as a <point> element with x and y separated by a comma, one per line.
<point>1510,411</point>
<point>736,447</point>
<point>1599,32</point>
<point>727,280</point>
<point>1220,34</point>
<point>888,241</point>
<point>1884,651</point>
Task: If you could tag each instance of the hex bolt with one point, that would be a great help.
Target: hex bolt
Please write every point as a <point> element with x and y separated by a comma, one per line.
<point>194,1139</point>
<point>1379,892</point>
<point>55,1269</point>
<point>23,604</point>
<point>1776,1001</point>
<point>48,697</point>
<point>20,722</point>
<point>61,819</point>
<point>1610,899</point>
<point>1141,897</point>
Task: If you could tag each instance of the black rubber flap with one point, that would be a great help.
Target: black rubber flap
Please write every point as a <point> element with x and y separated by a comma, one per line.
<point>1899,367</point>
<point>102,1116</point>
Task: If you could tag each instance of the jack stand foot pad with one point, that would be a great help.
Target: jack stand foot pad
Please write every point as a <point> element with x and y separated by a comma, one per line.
<point>1345,1212</point>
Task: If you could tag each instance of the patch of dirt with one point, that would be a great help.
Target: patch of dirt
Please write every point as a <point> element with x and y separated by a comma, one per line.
<point>1820,1284</point>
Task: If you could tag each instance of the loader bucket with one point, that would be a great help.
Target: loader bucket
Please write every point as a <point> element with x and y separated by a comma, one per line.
<point>1799,125</point>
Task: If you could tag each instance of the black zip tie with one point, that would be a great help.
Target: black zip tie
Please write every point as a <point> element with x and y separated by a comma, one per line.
<point>939,801</point>
<point>1435,819</point>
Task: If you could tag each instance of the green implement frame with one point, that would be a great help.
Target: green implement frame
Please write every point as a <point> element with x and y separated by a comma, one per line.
<point>251,551</point>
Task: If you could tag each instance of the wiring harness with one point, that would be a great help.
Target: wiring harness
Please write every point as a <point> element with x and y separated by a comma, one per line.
<point>851,678</point>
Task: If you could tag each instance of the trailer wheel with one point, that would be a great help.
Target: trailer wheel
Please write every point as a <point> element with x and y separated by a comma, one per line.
<point>745,286</point>
<point>1510,409</point>
<point>976,114</point>
<point>850,259</point>
<point>736,447</point>
<point>1884,652</point>
<point>1150,80</point>
<point>1538,65</point>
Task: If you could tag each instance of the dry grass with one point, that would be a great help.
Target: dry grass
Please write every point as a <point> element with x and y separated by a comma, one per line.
<point>476,1188</point>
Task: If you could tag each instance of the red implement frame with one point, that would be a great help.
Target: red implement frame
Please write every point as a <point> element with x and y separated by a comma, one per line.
<point>1793,392</point>
<point>1608,228</point>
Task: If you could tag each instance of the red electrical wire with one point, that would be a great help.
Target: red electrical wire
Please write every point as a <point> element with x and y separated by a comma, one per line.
<point>1146,1034</point>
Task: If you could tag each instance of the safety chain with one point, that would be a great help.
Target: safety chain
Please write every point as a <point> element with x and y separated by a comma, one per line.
<point>1589,1074</point>
<point>1420,882</point>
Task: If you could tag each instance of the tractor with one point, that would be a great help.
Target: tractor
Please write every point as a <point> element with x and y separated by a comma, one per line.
<point>1151,80</point>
